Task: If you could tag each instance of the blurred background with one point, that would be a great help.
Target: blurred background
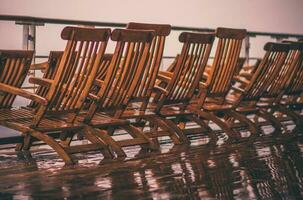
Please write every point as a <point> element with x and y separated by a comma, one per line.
<point>279,16</point>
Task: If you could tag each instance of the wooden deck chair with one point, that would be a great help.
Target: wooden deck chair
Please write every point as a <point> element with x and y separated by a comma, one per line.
<point>49,69</point>
<point>289,100</point>
<point>57,111</point>
<point>177,88</point>
<point>125,71</point>
<point>145,87</point>
<point>272,97</point>
<point>212,104</point>
<point>264,78</point>
<point>14,67</point>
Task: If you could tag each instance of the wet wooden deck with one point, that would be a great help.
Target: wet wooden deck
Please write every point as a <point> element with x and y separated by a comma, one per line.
<point>269,168</point>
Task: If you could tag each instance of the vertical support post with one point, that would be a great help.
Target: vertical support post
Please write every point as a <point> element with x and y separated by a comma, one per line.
<point>29,37</point>
<point>29,41</point>
<point>247,47</point>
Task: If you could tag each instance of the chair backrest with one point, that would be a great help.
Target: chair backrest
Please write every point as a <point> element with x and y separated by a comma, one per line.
<point>287,71</point>
<point>267,70</point>
<point>125,70</point>
<point>75,74</point>
<point>52,67</point>
<point>295,86</point>
<point>104,65</point>
<point>144,88</point>
<point>189,66</point>
<point>225,61</point>
<point>14,66</point>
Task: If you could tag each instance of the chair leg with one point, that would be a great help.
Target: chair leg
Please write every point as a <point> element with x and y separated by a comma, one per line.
<point>213,137</point>
<point>242,118</point>
<point>223,125</point>
<point>136,133</point>
<point>108,140</point>
<point>26,144</point>
<point>54,144</point>
<point>66,138</point>
<point>269,117</point>
<point>175,130</point>
<point>89,134</point>
<point>297,118</point>
<point>175,133</point>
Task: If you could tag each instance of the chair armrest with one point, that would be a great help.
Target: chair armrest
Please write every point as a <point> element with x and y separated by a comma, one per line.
<point>160,89</point>
<point>93,97</point>
<point>246,75</point>
<point>20,92</point>
<point>166,73</point>
<point>238,89</point>
<point>163,78</point>
<point>248,67</point>
<point>241,80</point>
<point>41,81</point>
<point>98,82</point>
<point>39,66</point>
<point>203,85</point>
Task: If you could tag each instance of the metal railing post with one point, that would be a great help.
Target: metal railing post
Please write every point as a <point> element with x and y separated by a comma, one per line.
<point>29,39</point>
<point>247,47</point>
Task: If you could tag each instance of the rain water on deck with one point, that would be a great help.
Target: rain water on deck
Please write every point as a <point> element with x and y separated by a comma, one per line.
<point>269,168</point>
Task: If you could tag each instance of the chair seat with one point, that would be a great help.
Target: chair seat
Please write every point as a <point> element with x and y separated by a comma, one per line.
<point>217,107</point>
<point>173,111</point>
<point>246,109</point>
<point>15,113</point>
<point>21,119</point>
<point>136,113</point>
<point>103,121</point>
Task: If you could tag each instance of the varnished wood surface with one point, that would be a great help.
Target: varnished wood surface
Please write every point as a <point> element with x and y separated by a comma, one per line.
<point>267,169</point>
<point>127,77</point>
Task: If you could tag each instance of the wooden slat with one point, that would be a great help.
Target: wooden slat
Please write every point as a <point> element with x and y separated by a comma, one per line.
<point>83,148</point>
<point>132,142</point>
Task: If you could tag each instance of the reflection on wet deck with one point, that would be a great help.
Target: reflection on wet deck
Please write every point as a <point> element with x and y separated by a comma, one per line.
<point>269,168</point>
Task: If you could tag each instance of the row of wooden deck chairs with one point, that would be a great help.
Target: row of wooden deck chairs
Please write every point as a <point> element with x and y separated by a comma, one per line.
<point>88,94</point>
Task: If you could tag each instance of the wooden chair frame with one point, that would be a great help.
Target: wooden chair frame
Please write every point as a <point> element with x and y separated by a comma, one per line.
<point>14,67</point>
<point>212,99</point>
<point>175,90</point>
<point>288,100</point>
<point>119,85</point>
<point>61,105</point>
<point>267,81</point>
<point>146,86</point>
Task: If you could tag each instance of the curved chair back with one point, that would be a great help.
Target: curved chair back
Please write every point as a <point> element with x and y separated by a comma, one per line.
<point>267,70</point>
<point>14,66</point>
<point>295,86</point>
<point>125,70</point>
<point>75,74</point>
<point>189,66</point>
<point>144,88</point>
<point>225,61</point>
<point>288,70</point>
